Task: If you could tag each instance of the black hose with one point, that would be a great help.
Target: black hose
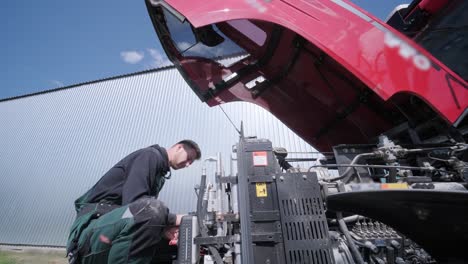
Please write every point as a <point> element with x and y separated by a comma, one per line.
<point>285,165</point>
<point>352,246</point>
<point>356,175</point>
<point>354,251</point>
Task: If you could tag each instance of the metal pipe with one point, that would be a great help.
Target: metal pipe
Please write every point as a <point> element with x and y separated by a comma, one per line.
<point>234,190</point>
<point>219,194</point>
<point>231,164</point>
<point>218,163</point>
<point>376,166</point>
<point>235,208</point>
<point>350,165</point>
<point>237,253</point>
<point>219,185</point>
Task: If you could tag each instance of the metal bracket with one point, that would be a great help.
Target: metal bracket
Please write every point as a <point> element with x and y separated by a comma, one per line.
<point>216,240</point>
<point>272,237</point>
<point>228,179</point>
<point>261,179</point>
<point>227,217</point>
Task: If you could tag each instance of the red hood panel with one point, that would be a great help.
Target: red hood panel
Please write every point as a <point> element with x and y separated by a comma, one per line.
<point>329,71</point>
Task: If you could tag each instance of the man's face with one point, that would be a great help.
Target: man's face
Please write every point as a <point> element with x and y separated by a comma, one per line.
<point>183,157</point>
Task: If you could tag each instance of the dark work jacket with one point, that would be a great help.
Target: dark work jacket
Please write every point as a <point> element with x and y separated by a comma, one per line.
<point>139,174</point>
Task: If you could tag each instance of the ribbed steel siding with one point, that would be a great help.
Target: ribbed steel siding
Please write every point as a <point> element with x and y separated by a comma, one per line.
<point>55,146</point>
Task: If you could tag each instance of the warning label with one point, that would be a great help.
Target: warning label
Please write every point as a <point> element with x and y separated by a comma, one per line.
<point>260,158</point>
<point>394,186</point>
<point>261,189</point>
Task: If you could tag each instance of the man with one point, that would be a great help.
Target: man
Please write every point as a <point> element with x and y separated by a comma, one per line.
<point>120,220</point>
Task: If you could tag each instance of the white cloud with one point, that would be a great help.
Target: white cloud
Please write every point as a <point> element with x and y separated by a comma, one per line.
<point>183,45</point>
<point>132,56</point>
<point>158,59</point>
<point>57,83</point>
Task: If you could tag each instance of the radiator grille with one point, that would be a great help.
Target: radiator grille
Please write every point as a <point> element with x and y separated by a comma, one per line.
<point>304,206</point>
<point>308,256</point>
<point>305,230</point>
<point>304,226</point>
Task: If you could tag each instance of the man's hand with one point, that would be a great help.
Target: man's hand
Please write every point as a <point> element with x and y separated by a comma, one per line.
<point>172,234</point>
<point>179,219</point>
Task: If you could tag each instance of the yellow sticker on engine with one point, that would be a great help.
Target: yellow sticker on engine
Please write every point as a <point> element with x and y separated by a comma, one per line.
<point>394,186</point>
<point>261,189</point>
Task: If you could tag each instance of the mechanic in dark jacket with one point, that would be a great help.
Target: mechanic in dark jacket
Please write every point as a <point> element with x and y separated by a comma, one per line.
<point>120,220</point>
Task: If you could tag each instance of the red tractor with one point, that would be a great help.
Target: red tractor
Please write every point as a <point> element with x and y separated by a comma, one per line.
<point>385,102</point>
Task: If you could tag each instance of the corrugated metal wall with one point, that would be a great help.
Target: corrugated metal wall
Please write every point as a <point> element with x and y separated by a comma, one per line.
<point>54,146</point>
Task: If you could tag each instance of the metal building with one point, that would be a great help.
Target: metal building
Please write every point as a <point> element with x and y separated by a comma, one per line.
<point>57,144</point>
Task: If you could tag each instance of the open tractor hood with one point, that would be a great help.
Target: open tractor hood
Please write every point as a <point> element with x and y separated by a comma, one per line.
<point>331,72</point>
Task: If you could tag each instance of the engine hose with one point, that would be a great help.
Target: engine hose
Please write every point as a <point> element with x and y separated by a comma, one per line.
<point>377,167</point>
<point>214,252</point>
<point>354,161</point>
<point>352,246</point>
<point>352,218</point>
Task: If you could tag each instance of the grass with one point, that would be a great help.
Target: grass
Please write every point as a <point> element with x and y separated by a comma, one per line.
<point>12,257</point>
<point>4,259</point>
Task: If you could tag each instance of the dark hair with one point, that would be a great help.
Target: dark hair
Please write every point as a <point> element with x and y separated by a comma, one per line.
<point>191,144</point>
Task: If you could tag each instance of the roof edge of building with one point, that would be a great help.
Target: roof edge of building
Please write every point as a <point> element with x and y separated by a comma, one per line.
<point>23,247</point>
<point>88,82</point>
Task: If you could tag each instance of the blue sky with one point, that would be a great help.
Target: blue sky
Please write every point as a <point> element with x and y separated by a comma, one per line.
<point>54,43</point>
